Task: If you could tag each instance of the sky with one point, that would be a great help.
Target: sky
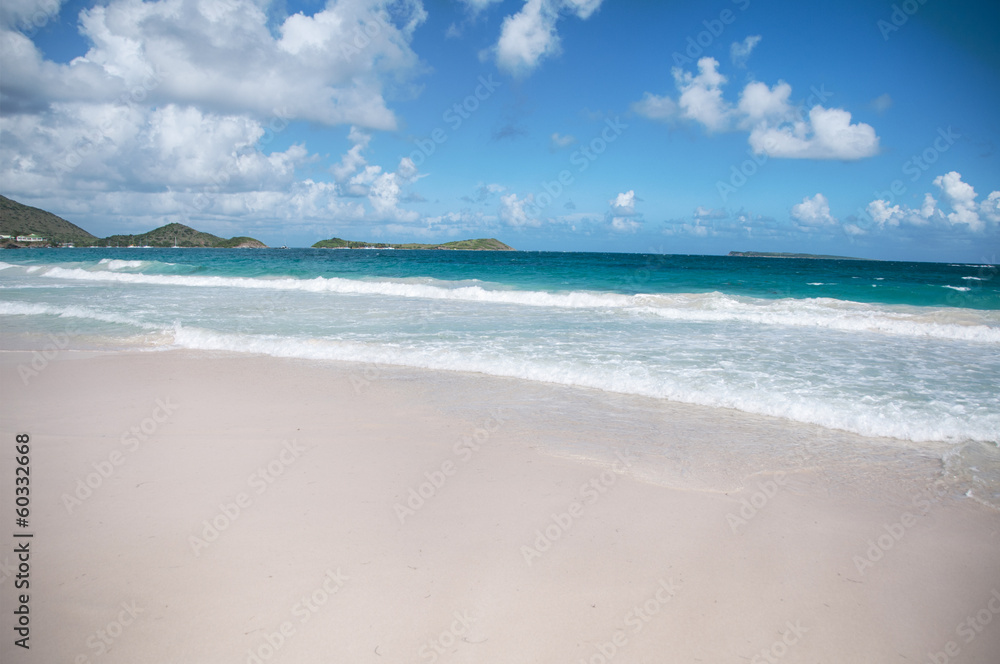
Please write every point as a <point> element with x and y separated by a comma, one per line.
<point>857,128</point>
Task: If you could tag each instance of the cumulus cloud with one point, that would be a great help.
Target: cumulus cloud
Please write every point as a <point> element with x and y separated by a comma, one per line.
<point>886,215</point>
<point>962,198</point>
<point>199,54</point>
<point>513,212</point>
<point>761,104</point>
<point>827,134</point>
<point>530,35</point>
<point>701,96</point>
<point>813,211</point>
<point>990,208</point>
<point>777,127</point>
<point>739,52</point>
<point>959,207</point>
<point>187,96</point>
<point>353,159</point>
<point>622,216</point>
<point>709,213</point>
<point>623,204</point>
<point>655,107</point>
<point>559,142</point>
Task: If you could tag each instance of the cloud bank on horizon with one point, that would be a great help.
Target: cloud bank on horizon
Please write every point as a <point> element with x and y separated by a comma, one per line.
<point>571,124</point>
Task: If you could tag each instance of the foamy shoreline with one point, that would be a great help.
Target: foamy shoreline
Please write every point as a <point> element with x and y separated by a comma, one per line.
<point>252,508</point>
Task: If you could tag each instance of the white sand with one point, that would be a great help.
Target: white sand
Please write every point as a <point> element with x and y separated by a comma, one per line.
<point>453,572</point>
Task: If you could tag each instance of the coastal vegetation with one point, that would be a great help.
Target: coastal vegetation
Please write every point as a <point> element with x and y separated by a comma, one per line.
<point>482,244</point>
<point>777,254</point>
<point>25,226</point>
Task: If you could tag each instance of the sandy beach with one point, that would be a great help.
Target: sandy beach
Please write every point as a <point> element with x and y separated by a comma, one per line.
<point>197,507</point>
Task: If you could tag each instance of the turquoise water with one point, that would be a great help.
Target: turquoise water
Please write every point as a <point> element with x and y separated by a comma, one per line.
<point>900,350</point>
<point>919,284</point>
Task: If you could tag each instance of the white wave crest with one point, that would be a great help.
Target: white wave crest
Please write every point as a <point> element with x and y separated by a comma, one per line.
<point>878,420</point>
<point>943,323</point>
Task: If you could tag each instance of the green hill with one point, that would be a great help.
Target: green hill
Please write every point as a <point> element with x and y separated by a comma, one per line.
<point>178,235</point>
<point>17,219</point>
<point>482,244</point>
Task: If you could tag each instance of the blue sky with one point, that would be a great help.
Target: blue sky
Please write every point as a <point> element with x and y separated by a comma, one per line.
<point>854,128</point>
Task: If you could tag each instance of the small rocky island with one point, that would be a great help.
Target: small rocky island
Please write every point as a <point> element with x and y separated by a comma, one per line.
<point>482,244</point>
<point>777,254</point>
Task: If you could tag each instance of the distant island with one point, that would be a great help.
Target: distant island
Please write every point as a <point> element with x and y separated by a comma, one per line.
<point>26,226</point>
<point>776,254</point>
<point>482,244</point>
<point>179,235</point>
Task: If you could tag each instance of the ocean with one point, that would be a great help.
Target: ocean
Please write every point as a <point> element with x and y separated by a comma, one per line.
<point>903,351</point>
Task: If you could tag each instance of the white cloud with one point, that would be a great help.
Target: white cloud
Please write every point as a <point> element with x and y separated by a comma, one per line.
<point>530,35</point>
<point>883,214</point>
<point>828,134</point>
<point>958,196</point>
<point>622,216</point>
<point>477,6</point>
<point>223,58</point>
<point>701,95</point>
<point>882,103</point>
<point>709,213</point>
<point>759,103</point>
<point>384,198</point>
<point>990,208</point>
<point>777,128</point>
<point>655,107</point>
<point>407,169</point>
<point>28,15</point>
<point>558,142</point>
<point>813,211</point>
<point>353,159</point>
<point>512,210</point>
<point>740,51</point>
<point>623,204</point>
<point>962,198</point>
<point>625,224</point>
